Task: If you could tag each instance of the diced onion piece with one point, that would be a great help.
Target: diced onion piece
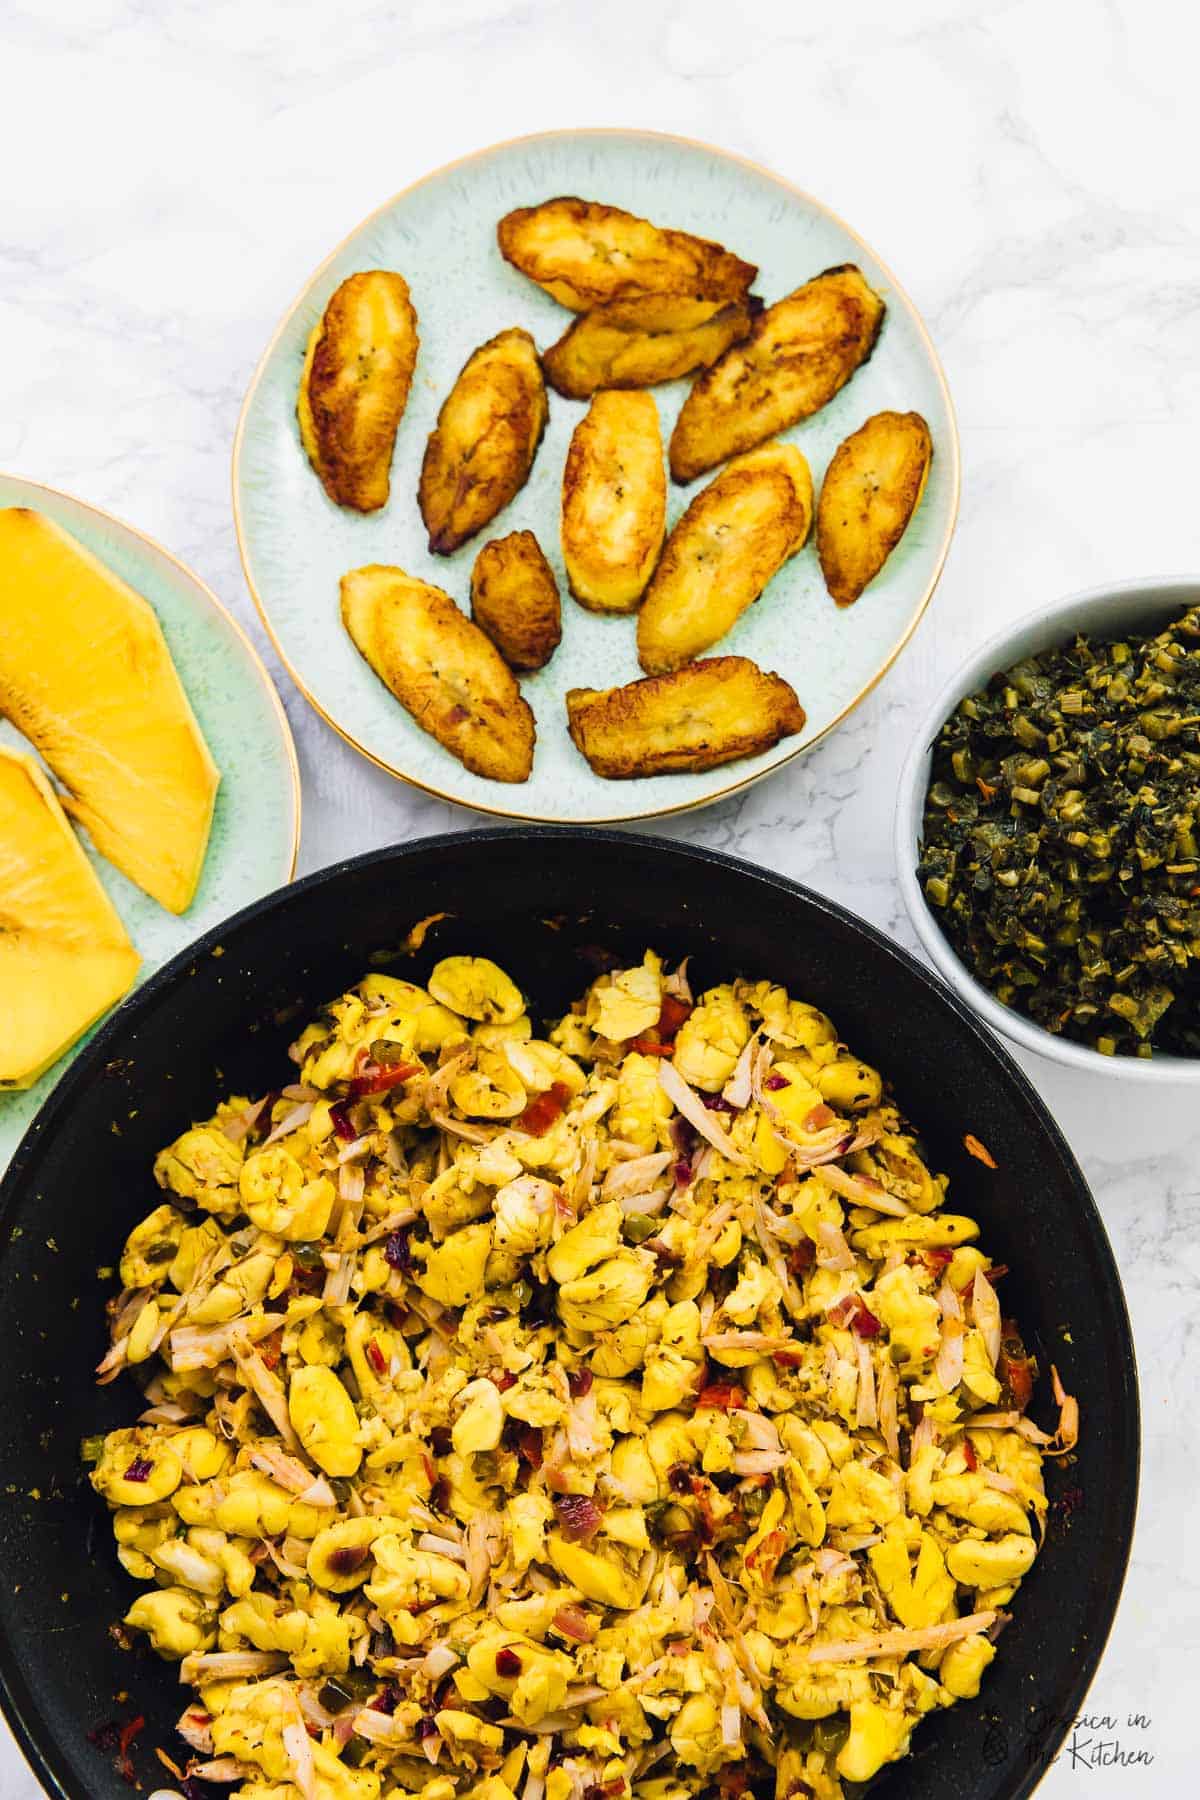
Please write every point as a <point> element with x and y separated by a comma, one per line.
<point>687,1102</point>
<point>833,1252</point>
<point>861,1190</point>
<point>637,1176</point>
<point>649,1205</point>
<point>900,1643</point>
<point>297,1747</point>
<point>380,1727</point>
<point>441,1659</point>
<point>865,1413</point>
<point>985,1311</point>
<point>227,1665</point>
<point>266,1387</point>
<point>290,1122</point>
<point>739,1089</point>
<point>948,1369</point>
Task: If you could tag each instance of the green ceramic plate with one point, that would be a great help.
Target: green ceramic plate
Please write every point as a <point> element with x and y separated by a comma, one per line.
<point>440,234</point>
<point>256,825</point>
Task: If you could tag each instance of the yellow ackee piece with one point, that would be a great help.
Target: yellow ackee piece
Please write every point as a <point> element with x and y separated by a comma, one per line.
<point>324,1419</point>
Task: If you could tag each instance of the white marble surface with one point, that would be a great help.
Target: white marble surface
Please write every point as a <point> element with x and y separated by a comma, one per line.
<point>174,172</point>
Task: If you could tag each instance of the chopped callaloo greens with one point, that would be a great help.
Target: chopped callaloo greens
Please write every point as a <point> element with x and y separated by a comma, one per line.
<point>1061,847</point>
<point>616,1413</point>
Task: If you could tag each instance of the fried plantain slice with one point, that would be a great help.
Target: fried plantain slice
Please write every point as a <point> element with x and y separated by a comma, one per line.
<point>442,669</point>
<point>871,490</point>
<point>799,353</point>
<point>639,343</point>
<point>487,434</point>
<point>614,502</point>
<point>514,599</point>
<point>710,713</point>
<point>358,368</point>
<point>585,254</point>
<point>735,535</point>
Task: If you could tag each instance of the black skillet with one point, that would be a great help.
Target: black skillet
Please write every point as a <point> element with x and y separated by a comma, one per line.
<point>550,906</point>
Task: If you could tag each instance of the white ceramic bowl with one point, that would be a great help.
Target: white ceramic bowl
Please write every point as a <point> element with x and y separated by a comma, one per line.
<point>1104,612</point>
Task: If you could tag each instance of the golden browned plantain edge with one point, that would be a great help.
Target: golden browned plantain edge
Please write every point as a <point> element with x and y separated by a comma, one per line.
<point>799,353</point>
<point>514,599</point>
<point>354,386</point>
<point>444,671</point>
<point>488,430</point>
<point>871,490</point>
<point>584,253</point>
<point>698,718</point>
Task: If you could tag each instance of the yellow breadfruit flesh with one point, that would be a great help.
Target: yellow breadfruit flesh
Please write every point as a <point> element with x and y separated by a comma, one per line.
<point>86,675</point>
<point>64,955</point>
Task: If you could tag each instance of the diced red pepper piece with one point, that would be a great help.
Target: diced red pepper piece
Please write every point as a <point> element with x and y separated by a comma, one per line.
<point>724,1396</point>
<point>529,1446</point>
<point>375,1356</point>
<point>864,1321</point>
<point>972,1460</point>
<point>661,1041</point>
<point>139,1469</point>
<point>820,1118</point>
<point>271,1349</point>
<point>671,1015</point>
<point>578,1516</point>
<point>125,1743</point>
<point>802,1256</point>
<point>341,1123</point>
<point>544,1110</point>
<point>855,1312</point>
<point>508,1663</point>
<point>787,1359</point>
<point>1015,1367</point>
<point>579,1382</point>
<point>574,1623</point>
<point>773,1083</point>
<point>378,1078</point>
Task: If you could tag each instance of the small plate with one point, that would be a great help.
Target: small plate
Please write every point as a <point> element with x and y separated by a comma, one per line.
<point>256,824</point>
<point>441,235</point>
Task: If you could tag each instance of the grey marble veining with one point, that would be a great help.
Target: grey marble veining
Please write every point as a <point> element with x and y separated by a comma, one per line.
<point>174,173</point>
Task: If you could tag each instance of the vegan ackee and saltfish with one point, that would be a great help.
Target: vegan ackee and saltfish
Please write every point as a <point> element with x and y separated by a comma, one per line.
<point>1060,851</point>
<point>616,1415</point>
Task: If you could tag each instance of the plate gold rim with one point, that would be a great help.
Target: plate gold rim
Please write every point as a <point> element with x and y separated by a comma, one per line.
<point>258,665</point>
<point>746,781</point>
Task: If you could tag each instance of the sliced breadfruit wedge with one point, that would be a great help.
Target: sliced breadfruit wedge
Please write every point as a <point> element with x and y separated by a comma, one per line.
<point>86,676</point>
<point>65,957</point>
